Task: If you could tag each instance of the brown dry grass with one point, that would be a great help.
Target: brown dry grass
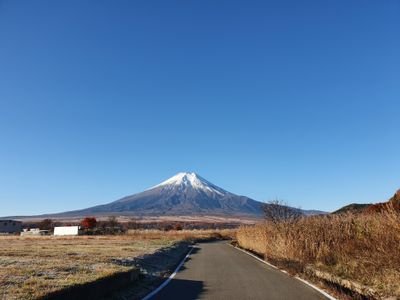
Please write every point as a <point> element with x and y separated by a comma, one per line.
<point>361,248</point>
<point>31,267</point>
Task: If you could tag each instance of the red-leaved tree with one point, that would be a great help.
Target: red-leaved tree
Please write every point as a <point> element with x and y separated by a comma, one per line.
<point>89,223</point>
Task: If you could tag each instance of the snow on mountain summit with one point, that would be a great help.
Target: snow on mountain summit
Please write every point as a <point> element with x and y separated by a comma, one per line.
<point>191,180</point>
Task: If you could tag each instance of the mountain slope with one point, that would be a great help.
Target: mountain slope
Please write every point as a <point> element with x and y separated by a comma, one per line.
<point>392,203</point>
<point>354,208</point>
<point>182,194</point>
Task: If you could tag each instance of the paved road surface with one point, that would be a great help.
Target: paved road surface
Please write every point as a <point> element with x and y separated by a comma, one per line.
<point>218,271</point>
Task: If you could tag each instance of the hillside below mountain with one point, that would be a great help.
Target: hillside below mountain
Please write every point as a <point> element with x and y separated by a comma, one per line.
<point>354,208</point>
<point>392,203</point>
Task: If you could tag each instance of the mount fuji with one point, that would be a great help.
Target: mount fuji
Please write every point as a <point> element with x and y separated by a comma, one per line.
<point>182,194</point>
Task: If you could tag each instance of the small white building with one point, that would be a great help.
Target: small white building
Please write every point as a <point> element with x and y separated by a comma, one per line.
<point>34,232</point>
<point>66,230</point>
<point>10,226</point>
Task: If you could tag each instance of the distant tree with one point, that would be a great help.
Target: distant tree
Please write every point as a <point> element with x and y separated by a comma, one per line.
<point>46,224</point>
<point>89,223</point>
<point>112,222</point>
<point>278,211</point>
<point>167,226</point>
<point>111,226</point>
<point>132,224</point>
<point>178,226</point>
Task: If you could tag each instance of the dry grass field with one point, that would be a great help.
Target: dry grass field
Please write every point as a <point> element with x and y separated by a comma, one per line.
<point>31,267</point>
<point>360,248</point>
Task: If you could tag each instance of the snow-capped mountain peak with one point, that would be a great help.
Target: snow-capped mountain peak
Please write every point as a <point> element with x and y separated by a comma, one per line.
<point>183,194</point>
<point>191,180</point>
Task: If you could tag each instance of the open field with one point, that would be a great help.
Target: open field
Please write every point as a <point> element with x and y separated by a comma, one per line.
<point>362,249</point>
<point>150,219</point>
<point>31,267</point>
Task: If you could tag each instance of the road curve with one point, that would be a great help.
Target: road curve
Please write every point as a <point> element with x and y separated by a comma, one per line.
<point>219,271</point>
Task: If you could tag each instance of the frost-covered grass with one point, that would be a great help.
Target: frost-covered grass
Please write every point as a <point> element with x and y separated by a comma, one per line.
<point>31,267</point>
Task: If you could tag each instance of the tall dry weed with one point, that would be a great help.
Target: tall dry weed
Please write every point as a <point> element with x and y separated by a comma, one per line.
<point>362,248</point>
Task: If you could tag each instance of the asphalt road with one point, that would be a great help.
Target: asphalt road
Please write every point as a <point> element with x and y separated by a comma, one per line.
<point>219,271</point>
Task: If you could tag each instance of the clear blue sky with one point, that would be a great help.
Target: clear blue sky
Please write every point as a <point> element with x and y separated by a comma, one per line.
<point>298,100</point>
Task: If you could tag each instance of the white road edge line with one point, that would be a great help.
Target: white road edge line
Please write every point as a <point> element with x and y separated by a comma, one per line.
<point>316,288</point>
<point>252,255</point>
<point>298,278</point>
<point>164,284</point>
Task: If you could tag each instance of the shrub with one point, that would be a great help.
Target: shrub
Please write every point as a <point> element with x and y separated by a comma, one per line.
<point>46,224</point>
